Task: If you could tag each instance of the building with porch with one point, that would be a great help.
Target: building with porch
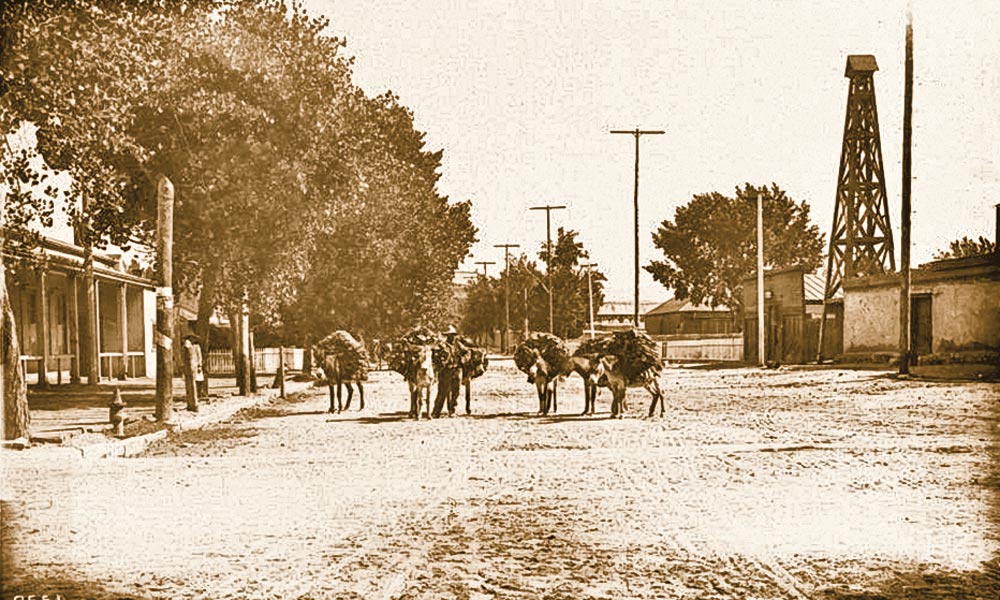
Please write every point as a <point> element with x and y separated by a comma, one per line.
<point>50,309</point>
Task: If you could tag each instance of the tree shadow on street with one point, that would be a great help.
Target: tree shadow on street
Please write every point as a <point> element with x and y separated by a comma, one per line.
<point>16,582</point>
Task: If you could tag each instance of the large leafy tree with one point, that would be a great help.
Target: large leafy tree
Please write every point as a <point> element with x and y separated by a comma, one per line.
<point>569,284</point>
<point>249,109</point>
<point>388,263</point>
<point>709,248</point>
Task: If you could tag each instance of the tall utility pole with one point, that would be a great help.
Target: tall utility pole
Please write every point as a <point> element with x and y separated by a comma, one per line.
<point>485,263</point>
<point>635,202</point>
<point>506,293</point>
<point>590,296</point>
<point>164,301</point>
<point>904,251</point>
<point>760,280</point>
<point>548,252</point>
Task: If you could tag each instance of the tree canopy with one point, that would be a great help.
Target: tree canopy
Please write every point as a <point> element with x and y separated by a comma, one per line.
<point>710,247</point>
<point>484,307</point>
<point>966,247</point>
<point>284,169</point>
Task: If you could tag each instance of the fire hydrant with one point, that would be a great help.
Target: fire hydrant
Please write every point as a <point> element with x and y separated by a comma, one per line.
<point>115,415</point>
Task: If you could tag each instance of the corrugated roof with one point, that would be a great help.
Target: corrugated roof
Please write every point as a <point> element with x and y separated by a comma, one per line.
<point>624,307</point>
<point>814,287</point>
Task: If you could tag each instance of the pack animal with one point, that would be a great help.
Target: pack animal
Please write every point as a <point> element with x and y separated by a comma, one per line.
<point>610,374</point>
<point>337,376</point>
<point>473,365</point>
<point>588,368</point>
<point>420,383</point>
<point>545,377</point>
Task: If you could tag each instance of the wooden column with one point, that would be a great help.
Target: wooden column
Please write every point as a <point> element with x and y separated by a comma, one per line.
<point>74,329</point>
<point>124,313</point>
<point>97,330</point>
<point>43,290</point>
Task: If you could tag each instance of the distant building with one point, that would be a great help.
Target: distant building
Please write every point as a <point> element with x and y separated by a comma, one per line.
<point>685,317</point>
<point>617,315</point>
<point>793,309</point>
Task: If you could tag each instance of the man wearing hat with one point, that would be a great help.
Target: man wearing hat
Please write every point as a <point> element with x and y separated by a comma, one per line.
<point>449,374</point>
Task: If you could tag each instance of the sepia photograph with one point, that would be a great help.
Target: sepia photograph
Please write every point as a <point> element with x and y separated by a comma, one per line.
<point>516,300</point>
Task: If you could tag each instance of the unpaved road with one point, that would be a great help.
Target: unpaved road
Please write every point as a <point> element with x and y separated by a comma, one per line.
<point>819,484</point>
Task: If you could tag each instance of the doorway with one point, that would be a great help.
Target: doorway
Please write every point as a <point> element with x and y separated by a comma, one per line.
<point>921,334</point>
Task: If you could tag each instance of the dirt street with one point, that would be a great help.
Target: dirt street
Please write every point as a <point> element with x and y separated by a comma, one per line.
<point>818,484</point>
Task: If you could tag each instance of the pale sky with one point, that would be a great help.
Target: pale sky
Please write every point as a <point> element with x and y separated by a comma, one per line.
<point>521,95</point>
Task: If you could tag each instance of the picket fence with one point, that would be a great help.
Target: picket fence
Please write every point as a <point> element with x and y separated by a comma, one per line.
<point>265,360</point>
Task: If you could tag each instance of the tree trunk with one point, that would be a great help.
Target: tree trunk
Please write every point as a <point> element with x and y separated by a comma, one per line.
<point>164,332</point>
<point>240,344</point>
<point>251,367</point>
<point>17,420</point>
<point>203,326</point>
<point>307,358</point>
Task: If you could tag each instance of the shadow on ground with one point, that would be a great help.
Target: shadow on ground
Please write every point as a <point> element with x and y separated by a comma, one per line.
<point>14,582</point>
<point>928,581</point>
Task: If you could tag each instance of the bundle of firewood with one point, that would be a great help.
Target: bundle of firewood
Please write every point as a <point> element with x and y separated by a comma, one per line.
<point>552,349</point>
<point>405,357</point>
<point>473,358</point>
<point>635,350</point>
<point>350,353</point>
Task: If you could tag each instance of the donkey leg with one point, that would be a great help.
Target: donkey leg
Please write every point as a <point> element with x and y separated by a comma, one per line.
<point>361,395</point>
<point>333,399</point>
<point>414,404</point>
<point>350,394</point>
<point>468,398</point>
<point>555,404</point>
<point>340,405</point>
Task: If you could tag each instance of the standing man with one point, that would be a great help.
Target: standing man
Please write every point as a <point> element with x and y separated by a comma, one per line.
<point>449,374</point>
<point>194,374</point>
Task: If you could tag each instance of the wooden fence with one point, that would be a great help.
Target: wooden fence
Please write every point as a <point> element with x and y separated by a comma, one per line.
<point>702,347</point>
<point>265,360</point>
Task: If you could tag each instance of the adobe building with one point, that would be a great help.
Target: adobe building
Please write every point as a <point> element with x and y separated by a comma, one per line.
<point>793,309</point>
<point>954,313</point>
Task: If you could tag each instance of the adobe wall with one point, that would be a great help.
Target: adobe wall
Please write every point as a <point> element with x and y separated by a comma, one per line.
<point>871,319</point>
<point>965,315</point>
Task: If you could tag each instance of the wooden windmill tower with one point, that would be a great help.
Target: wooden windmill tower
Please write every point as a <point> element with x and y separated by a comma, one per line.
<point>861,239</point>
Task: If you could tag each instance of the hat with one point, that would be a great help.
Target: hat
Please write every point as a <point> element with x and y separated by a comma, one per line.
<point>451,330</point>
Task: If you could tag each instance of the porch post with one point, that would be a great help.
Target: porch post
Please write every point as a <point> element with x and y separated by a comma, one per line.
<point>124,315</point>
<point>74,330</point>
<point>97,329</point>
<point>43,371</point>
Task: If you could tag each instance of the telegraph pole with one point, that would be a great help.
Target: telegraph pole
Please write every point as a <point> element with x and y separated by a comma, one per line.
<point>904,251</point>
<point>548,251</point>
<point>635,202</point>
<point>590,297</point>
<point>485,263</point>
<point>761,348</point>
<point>506,293</point>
